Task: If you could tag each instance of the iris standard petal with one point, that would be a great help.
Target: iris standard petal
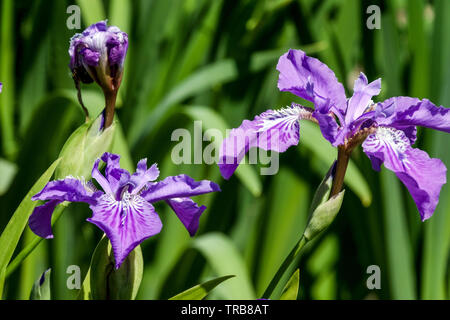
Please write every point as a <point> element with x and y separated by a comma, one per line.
<point>126,223</point>
<point>40,221</point>
<point>362,95</point>
<point>143,175</point>
<point>114,174</point>
<point>310,79</point>
<point>180,186</point>
<point>422,175</point>
<point>188,212</point>
<point>274,130</point>
<point>101,180</point>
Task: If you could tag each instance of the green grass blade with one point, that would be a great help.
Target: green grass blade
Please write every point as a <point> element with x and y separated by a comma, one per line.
<point>7,99</point>
<point>200,291</point>
<point>11,235</point>
<point>401,273</point>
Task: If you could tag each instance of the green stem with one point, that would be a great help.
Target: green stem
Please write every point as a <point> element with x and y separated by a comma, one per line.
<point>282,269</point>
<point>31,245</point>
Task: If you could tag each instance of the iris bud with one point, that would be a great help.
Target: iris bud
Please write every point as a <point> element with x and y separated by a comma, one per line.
<point>98,54</point>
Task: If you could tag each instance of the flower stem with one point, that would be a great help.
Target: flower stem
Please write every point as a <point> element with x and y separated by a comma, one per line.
<point>110,104</point>
<point>341,168</point>
<point>282,269</point>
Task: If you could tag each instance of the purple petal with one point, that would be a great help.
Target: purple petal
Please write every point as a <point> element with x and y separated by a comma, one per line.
<point>329,128</point>
<point>422,175</point>
<point>274,130</point>
<point>68,189</point>
<point>362,94</point>
<point>125,223</point>
<point>117,177</point>
<point>188,212</point>
<point>117,48</point>
<point>1,87</point>
<point>310,79</point>
<point>180,186</point>
<point>143,175</point>
<point>90,57</point>
<point>404,112</point>
<point>98,43</point>
<point>40,221</point>
<point>102,181</point>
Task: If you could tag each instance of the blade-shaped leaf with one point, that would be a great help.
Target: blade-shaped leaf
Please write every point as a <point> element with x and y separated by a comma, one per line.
<point>11,235</point>
<point>200,291</point>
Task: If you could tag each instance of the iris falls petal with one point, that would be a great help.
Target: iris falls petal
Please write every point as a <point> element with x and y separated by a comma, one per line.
<point>274,130</point>
<point>422,175</point>
<point>126,223</point>
<point>188,212</point>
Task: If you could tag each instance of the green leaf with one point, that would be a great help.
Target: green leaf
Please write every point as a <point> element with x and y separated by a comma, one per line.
<point>11,235</point>
<point>224,258</point>
<point>8,171</point>
<point>323,216</point>
<point>200,291</point>
<point>106,282</point>
<point>212,120</point>
<point>290,291</point>
<point>83,147</point>
<point>41,288</point>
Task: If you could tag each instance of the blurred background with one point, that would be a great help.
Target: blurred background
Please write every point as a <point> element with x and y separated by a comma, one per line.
<point>215,61</point>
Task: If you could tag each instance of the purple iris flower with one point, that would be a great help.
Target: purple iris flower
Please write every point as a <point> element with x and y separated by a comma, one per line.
<point>1,86</point>
<point>98,53</point>
<point>387,130</point>
<point>123,210</point>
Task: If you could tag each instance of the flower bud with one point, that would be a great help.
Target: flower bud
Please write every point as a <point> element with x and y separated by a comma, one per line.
<point>98,54</point>
<point>323,209</point>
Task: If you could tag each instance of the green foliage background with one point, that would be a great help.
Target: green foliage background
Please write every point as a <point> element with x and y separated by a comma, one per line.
<point>214,60</point>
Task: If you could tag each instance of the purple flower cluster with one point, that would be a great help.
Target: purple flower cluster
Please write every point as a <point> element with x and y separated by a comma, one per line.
<point>123,208</point>
<point>387,129</point>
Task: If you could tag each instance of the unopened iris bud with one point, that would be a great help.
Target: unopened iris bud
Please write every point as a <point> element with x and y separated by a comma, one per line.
<point>98,54</point>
